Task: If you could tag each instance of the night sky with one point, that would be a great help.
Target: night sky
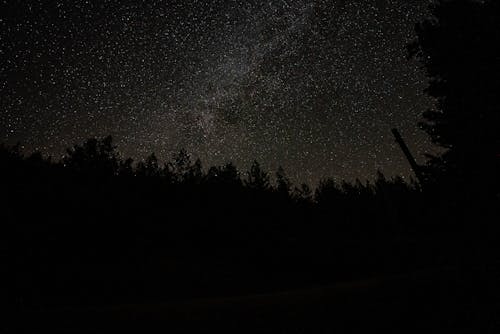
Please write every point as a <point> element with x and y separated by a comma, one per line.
<point>314,86</point>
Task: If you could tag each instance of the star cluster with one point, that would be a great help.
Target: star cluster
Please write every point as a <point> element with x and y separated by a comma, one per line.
<point>314,86</point>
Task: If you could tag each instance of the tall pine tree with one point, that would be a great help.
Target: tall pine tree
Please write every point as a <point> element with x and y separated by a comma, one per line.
<point>459,48</point>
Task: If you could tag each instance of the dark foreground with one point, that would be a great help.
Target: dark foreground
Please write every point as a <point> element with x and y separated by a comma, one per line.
<point>436,301</point>
<point>95,244</point>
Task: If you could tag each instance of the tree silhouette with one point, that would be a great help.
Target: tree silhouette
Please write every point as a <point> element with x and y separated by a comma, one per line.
<point>195,172</point>
<point>303,193</point>
<point>96,157</point>
<point>126,168</point>
<point>257,178</point>
<point>102,231</point>
<point>182,168</point>
<point>224,175</point>
<point>327,193</point>
<point>149,167</point>
<point>458,49</point>
<point>283,183</point>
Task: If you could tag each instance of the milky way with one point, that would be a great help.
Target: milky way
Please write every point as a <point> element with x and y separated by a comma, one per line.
<point>314,86</point>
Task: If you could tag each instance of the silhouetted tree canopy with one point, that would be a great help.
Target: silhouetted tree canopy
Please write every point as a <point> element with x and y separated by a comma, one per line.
<point>283,183</point>
<point>459,49</point>
<point>96,228</point>
<point>149,167</point>
<point>224,175</point>
<point>93,157</point>
<point>257,179</point>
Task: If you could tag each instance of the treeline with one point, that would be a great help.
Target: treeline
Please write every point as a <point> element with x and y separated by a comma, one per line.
<point>96,165</point>
<point>94,228</point>
<point>93,176</point>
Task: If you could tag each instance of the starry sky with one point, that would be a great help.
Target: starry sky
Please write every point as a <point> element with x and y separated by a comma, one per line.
<point>314,86</point>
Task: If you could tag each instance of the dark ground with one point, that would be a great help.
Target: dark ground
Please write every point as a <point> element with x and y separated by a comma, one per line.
<point>423,302</point>
<point>94,245</point>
